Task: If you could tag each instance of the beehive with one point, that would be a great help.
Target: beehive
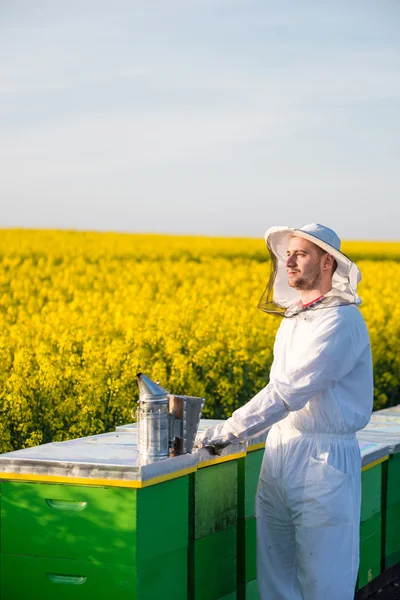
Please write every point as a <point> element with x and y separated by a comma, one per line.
<point>391,491</point>
<point>84,519</point>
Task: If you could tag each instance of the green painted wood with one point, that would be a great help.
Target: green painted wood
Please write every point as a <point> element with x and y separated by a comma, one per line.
<point>241,487</point>
<point>248,474</point>
<point>63,521</point>
<point>393,480</point>
<point>392,559</point>
<point>213,499</point>
<point>29,577</point>
<point>370,559</point>
<point>392,531</point>
<point>384,511</point>
<point>163,577</point>
<point>248,591</point>
<point>162,518</point>
<point>371,485</point>
<point>115,525</point>
<point>26,577</point>
<point>247,547</point>
<point>371,526</point>
<point>232,596</point>
<point>212,565</point>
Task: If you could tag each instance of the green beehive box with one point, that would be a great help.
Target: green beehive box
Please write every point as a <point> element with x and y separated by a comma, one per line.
<point>212,565</point>
<point>29,577</point>
<point>391,492</point>
<point>374,457</point>
<point>111,549</point>
<point>371,524</point>
<point>213,499</point>
<point>88,519</point>
<point>115,525</point>
<point>371,486</point>
<point>213,508</point>
<point>392,547</point>
<point>248,470</point>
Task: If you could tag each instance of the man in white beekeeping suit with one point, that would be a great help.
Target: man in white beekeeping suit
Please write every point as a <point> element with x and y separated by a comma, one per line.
<point>319,394</point>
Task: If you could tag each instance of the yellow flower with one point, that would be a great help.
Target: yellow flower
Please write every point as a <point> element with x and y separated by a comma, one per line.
<point>81,313</point>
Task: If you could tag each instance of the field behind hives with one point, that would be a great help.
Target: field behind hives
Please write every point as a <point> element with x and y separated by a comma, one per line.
<point>82,313</point>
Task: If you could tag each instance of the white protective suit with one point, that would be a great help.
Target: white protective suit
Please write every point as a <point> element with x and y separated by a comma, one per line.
<point>309,493</point>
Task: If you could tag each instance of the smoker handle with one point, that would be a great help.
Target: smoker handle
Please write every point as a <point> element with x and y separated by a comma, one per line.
<point>69,505</point>
<point>68,579</point>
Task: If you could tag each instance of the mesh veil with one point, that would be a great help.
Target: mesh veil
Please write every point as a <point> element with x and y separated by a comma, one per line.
<point>282,300</point>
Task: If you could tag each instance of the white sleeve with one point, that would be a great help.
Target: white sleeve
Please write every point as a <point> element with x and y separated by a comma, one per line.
<point>330,352</point>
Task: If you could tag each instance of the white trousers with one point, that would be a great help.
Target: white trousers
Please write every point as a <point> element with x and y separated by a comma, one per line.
<point>308,515</point>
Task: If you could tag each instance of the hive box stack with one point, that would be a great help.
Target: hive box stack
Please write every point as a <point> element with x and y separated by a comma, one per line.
<point>393,504</point>
<point>213,519</point>
<point>84,520</point>
<point>391,420</point>
<point>222,500</point>
<point>373,458</point>
<point>213,514</point>
<point>249,471</point>
<point>89,518</point>
<point>388,433</point>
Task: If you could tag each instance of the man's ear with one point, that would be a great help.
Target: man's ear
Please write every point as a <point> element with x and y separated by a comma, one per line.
<point>328,261</point>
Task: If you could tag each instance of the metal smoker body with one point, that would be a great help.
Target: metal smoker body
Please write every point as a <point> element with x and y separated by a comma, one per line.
<point>167,424</point>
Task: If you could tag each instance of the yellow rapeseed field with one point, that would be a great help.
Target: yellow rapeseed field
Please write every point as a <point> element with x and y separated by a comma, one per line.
<point>82,313</point>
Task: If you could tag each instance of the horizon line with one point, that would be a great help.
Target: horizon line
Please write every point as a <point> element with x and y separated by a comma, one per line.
<point>172,234</point>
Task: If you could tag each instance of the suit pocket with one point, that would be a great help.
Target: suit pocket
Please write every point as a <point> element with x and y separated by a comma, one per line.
<point>324,497</point>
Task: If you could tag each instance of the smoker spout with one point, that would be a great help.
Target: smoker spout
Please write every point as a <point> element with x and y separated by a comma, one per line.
<point>149,390</point>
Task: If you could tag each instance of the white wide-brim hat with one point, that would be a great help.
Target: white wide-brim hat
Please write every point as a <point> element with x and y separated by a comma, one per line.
<point>345,278</point>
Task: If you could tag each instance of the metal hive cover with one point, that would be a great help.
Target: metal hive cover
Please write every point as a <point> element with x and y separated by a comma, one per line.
<point>372,451</point>
<point>380,437</point>
<point>107,456</point>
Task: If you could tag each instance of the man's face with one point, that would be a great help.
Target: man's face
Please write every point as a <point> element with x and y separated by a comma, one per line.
<point>303,264</point>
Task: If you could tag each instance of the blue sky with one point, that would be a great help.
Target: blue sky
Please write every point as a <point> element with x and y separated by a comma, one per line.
<point>200,116</point>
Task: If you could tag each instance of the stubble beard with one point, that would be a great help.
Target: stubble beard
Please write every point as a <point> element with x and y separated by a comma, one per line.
<point>306,284</point>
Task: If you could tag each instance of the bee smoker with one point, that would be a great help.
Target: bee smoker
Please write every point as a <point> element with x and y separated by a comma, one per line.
<point>167,424</point>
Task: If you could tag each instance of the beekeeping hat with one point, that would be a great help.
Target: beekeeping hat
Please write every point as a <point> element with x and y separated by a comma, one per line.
<point>279,298</point>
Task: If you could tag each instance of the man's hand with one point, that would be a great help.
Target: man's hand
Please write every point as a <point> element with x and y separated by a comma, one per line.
<point>215,439</point>
<point>215,445</point>
<point>203,438</point>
